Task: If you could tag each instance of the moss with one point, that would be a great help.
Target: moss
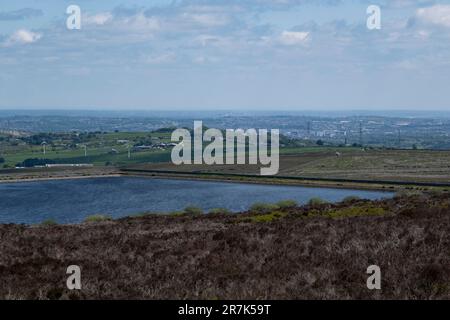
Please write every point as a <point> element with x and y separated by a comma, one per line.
<point>97,218</point>
<point>176,213</point>
<point>49,222</point>
<point>142,214</point>
<point>219,211</point>
<point>268,217</point>
<point>287,204</point>
<point>261,207</point>
<point>193,211</point>
<point>316,202</point>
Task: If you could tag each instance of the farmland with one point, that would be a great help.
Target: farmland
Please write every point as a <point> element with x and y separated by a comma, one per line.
<point>150,151</point>
<point>100,148</point>
<point>351,163</point>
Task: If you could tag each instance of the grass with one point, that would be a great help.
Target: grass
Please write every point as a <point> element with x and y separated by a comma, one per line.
<point>353,164</point>
<point>219,211</point>
<point>287,204</point>
<point>350,199</point>
<point>261,207</point>
<point>176,213</point>
<point>193,211</point>
<point>143,214</point>
<point>97,151</point>
<point>97,218</point>
<point>267,217</point>
<point>313,202</point>
<point>49,222</point>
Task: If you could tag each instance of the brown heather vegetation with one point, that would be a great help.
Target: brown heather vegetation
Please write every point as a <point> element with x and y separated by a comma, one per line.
<point>319,251</point>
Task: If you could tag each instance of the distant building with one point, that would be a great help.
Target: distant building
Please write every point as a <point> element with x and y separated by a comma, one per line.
<point>60,165</point>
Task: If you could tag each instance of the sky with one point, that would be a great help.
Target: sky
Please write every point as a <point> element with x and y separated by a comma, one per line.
<point>225,55</point>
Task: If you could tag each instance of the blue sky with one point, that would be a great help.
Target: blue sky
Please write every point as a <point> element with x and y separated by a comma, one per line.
<point>225,54</point>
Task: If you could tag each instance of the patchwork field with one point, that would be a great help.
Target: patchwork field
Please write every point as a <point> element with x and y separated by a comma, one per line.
<point>355,164</point>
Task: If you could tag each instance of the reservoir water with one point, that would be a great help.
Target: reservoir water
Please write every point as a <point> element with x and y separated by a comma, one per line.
<point>71,201</point>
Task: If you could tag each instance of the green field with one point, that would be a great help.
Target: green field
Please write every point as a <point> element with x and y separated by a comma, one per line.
<point>327,162</point>
<point>102,148</point>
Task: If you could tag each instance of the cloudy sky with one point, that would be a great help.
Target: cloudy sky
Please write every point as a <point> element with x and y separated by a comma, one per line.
<point>225,54</point>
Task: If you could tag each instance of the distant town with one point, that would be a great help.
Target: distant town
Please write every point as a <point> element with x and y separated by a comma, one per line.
<point>396,131</point>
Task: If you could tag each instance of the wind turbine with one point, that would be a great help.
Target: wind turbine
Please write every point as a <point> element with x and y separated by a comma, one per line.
<point>43,145</point>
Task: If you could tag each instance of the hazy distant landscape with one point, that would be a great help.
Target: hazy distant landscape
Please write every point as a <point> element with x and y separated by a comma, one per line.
<point>124,175</point>
<point>405,129</point>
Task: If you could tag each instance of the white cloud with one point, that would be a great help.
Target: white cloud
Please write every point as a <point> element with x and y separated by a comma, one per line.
<point>97,19</point>
<point>291,38</point>
<point>437,15</point>
<point>134,23</point>
<point>140,22</point>
<point>207,20</point>
<point>23,36</point>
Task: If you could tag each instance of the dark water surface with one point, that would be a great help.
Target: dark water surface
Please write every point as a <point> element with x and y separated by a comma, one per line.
<point>70,201</point>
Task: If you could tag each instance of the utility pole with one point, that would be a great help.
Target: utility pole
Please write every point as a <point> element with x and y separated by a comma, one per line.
<point>360,133</point>
<point>85,151</point>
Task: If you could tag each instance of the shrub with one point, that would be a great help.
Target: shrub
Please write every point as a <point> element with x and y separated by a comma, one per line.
<point>176,213</point>
<point>261,207</point>
<point>407,193</point>
<point>219,211</point>
<point>192,210</point>
<point>28,163</point>
<point>286,204</point>
<point>142,214</point>
<point>316,201</point>
<point>49,222</point>
<point>356,212</point>
<point>97,218</point>
<point>2,160</point>
<point>268,217</point>
<point>351,199</point>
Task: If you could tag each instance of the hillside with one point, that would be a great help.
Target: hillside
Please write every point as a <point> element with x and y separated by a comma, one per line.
<point>312,252</point>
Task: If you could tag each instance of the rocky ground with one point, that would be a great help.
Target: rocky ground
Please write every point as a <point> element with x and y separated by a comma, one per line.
<point>319,251</point>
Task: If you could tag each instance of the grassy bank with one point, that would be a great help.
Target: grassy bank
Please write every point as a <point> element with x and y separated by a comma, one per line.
<point>277,251</point>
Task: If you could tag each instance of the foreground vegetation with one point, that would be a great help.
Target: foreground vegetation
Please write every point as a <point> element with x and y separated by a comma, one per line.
<point>273,251</point>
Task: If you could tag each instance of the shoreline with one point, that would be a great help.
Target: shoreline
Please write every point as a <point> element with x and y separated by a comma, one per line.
<point>261,181</point>
<point>60,178</point>
<point>375,186</point>
<point>229,179</point>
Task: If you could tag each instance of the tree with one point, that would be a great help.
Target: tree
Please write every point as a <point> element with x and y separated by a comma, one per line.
<point>2,160</point>
<point>28,163</point>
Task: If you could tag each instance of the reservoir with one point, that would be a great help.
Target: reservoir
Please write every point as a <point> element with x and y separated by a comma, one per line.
<point>71,201</point>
